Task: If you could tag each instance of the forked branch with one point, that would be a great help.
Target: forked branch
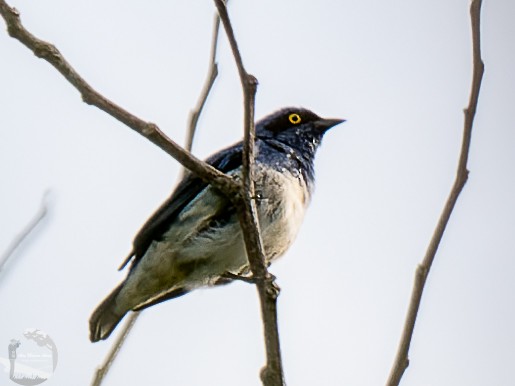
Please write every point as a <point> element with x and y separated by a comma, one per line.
<point>243,197</point>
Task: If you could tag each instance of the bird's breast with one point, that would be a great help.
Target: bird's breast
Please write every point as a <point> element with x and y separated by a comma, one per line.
<point>282,199</point>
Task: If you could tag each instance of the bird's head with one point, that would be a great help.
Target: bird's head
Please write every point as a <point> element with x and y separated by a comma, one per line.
<point>296,127</point>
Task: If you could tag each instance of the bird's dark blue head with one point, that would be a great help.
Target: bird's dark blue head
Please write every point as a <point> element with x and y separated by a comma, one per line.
<point>295,127</point>
<point>296,132</point>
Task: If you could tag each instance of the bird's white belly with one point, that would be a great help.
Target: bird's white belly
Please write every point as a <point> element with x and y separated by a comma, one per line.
<point>188,257</point>
<point>281,208</point>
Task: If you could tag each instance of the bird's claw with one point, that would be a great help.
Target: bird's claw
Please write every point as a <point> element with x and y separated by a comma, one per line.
<point>233,276</point>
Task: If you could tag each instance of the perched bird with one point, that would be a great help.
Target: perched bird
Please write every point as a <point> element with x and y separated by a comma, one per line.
<point>194,238</point>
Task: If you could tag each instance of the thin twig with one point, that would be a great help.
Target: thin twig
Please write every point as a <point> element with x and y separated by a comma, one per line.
<point>103,369</point>
<point>206,89</point>
<point>90,96</point>
<point>25,233</point>
<point>402,361</point>
<point>210,80</point>
<point>272,373</point>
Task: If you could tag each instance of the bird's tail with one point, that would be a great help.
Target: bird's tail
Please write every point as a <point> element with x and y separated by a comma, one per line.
<point>105,317</point>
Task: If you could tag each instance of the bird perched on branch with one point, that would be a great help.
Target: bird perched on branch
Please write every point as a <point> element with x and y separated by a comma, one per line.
<point>194,239</point>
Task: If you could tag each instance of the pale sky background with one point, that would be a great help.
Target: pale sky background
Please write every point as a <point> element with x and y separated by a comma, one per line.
<point>398,71</point>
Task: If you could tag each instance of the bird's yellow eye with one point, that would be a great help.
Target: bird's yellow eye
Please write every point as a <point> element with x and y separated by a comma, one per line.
<point>294,118</point>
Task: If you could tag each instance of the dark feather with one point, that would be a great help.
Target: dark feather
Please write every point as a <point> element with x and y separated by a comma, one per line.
<point>167,296</point>
<point>226,160</point>
<point>178,293</point>
<point>105,319</point>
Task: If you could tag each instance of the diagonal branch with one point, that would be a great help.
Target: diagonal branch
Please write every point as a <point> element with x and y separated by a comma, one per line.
<point>272,373</point>
<point>90,96</point>
<point>401,361</point>
<point>25,233</point>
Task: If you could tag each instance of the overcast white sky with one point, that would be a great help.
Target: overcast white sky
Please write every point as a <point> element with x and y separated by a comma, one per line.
<point>398,71</point>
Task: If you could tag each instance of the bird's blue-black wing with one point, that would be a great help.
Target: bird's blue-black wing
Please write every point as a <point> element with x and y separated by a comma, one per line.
<point>225,160</point>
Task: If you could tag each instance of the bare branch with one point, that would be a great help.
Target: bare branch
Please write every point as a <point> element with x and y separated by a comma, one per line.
<point>104,368</point>
<point>25,233</point>
<point>401,361</point>
<point>208,85</point>
<point>272,373</point>
<point>90,96</point>
<point>210,80</point>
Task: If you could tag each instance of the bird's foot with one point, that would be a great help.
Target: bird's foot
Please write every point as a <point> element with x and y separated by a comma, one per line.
<point>273,288</point>
<point>232,276</point>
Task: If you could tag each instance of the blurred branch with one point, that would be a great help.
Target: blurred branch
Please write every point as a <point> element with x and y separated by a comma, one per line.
<point>402,361</point>
<point>25,233</point>
<point>104,368</point>
<point>210,80</point>
<point>90,96</point>
<point>272,373</point>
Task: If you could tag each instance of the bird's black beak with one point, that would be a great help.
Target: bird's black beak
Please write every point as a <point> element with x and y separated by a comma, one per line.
<point>322,125</point>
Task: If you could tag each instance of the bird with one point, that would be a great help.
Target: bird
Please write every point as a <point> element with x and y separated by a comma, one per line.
<point>194,238</point>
